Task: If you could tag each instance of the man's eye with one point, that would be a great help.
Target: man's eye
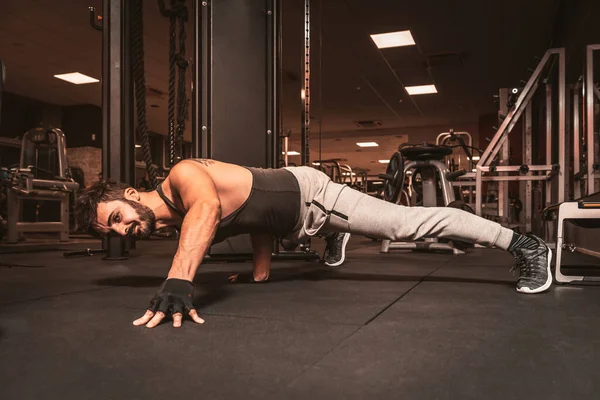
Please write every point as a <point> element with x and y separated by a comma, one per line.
<point>117,218</point>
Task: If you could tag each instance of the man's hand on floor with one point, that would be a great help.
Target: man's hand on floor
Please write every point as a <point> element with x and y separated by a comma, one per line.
<point>173,299</point>
<point>247,277</point>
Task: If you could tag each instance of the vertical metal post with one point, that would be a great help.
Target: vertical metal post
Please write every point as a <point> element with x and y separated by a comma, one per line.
<point>14,214</point>
<point>576,139</point>
<point>306,88</point>
<point>127,101</point>
<point>196,77</point>
<point>273,88</point>
<point>564,168</point>
<point>528,160</point>
<point>64,217</point>
<point>478,191</point>
<point>106,93</point>
<point>549,141</point>
<point>201,80</point>
<point>114,93</point>
<point>589,112</point>
<point>567,143</point>
<point>503,203</point>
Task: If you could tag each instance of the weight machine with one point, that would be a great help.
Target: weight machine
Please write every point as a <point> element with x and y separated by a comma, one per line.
<point>31,181</point>
<point>584,211</point>
<point>493,166</point>
<point>435,189</point>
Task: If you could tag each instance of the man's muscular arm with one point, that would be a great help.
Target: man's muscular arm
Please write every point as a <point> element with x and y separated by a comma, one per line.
<point>199,196</point>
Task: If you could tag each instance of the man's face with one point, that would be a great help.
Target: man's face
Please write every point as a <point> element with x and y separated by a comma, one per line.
<point>126,217</point>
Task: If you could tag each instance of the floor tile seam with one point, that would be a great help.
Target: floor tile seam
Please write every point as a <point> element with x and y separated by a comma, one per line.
<point>419,282</point>
<point>321,358</point>
<point>349,336</point>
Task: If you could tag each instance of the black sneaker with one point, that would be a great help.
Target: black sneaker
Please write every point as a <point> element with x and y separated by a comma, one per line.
<point>533,263</point>
<point>335,252</point>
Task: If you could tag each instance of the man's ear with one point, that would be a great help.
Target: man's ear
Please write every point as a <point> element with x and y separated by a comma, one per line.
<point>132,194</point>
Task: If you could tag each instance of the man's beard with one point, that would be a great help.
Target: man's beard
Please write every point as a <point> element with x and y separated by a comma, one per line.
<point>147,218</point>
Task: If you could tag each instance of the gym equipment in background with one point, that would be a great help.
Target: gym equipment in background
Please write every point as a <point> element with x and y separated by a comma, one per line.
<point>42,175</point>
<point>429,184</point>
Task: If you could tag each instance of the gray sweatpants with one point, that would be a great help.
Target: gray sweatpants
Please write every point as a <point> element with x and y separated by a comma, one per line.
<point>348,210</point>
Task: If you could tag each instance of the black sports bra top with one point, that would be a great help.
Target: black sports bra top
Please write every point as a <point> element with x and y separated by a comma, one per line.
<point>273,206</point>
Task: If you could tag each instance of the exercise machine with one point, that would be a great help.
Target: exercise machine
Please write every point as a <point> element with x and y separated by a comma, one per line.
<point>429,182</point>
<point>42,175</point>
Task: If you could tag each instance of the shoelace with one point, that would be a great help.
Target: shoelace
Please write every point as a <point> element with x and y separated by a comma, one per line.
<point>334,242</point>
<point>523,264</point>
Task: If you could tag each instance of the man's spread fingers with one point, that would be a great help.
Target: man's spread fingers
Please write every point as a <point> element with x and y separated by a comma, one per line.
<point>144,319</point>
<point>176,320</point>
<point>156,320</point>
<point>195,317</point>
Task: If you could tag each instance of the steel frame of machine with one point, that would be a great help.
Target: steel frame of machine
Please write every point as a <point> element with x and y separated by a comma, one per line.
<point>583,120</point>
<point>487,167</point>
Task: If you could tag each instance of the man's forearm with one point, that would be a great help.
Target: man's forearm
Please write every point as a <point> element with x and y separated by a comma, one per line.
<point>262,246</point>
<point>197,233</point>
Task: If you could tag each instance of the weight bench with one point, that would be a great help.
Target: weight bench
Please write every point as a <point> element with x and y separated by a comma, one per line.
<point>584,213</point>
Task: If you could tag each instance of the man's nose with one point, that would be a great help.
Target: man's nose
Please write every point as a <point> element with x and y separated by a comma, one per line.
<point>121,229</point>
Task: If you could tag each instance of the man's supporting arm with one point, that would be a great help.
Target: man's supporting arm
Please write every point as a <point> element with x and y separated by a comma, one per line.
<point>262,246</point>
<point>199,195</point>
<point>197,233</point>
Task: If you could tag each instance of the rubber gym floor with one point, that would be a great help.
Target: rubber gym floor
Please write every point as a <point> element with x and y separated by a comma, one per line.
<point>382,326</point>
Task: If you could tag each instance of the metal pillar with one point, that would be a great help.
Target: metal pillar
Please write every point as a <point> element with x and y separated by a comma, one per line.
<point>305,131</point>
<point>589,112</point>
<point>562,95</point>
<point>117,113</point>
<point>501,136</point>
<point>503,200</point>
<point>273,67</point>
<point>549,141</point>
<point>576,139</point>
<point>527,186</point>
<point>201,80</point>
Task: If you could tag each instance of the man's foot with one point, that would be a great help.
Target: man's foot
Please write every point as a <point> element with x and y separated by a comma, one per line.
<point>533,262</point>
<point>335,252</point>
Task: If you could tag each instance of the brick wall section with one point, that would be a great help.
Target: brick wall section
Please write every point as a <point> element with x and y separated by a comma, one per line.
<point>89,159</point>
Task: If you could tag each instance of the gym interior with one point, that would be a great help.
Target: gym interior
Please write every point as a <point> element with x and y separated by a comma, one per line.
<point>489,107</point>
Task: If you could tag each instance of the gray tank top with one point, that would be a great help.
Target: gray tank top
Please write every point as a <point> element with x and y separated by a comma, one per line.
<point>273,206</point>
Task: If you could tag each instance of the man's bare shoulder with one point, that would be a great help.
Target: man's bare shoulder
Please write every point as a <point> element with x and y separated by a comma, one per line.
<point>186,170</point>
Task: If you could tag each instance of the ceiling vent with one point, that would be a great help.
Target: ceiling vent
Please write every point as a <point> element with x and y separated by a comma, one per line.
<point>368,124</point>
<point>443,60</point>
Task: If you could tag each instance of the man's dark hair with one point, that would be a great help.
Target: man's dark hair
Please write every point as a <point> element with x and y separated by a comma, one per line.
<point>86,205</point>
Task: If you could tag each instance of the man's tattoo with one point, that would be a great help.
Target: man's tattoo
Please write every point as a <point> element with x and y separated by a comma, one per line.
<point>205,161</point>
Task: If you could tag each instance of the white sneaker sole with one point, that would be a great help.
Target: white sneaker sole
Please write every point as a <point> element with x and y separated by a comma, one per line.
<point>341,261</point>
<point>546,285</point>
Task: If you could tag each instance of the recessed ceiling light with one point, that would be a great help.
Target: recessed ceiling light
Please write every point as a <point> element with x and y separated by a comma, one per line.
<point>384,161</point>
<point>393,39</point>
<point>423,89</point>
<point>291,153</point>
<point>76,78</point>
<point>476,158</point>
<point>137,146</point>
<point>367,144</point>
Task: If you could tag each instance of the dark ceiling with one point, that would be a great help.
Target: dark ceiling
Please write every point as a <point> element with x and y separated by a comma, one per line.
<point>467,48</point>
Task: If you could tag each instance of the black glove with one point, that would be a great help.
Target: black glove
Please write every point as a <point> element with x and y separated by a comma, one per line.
<point>174,297</point>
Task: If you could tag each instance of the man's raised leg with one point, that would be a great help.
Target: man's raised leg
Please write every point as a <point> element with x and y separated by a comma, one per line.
<point>361,214</point>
